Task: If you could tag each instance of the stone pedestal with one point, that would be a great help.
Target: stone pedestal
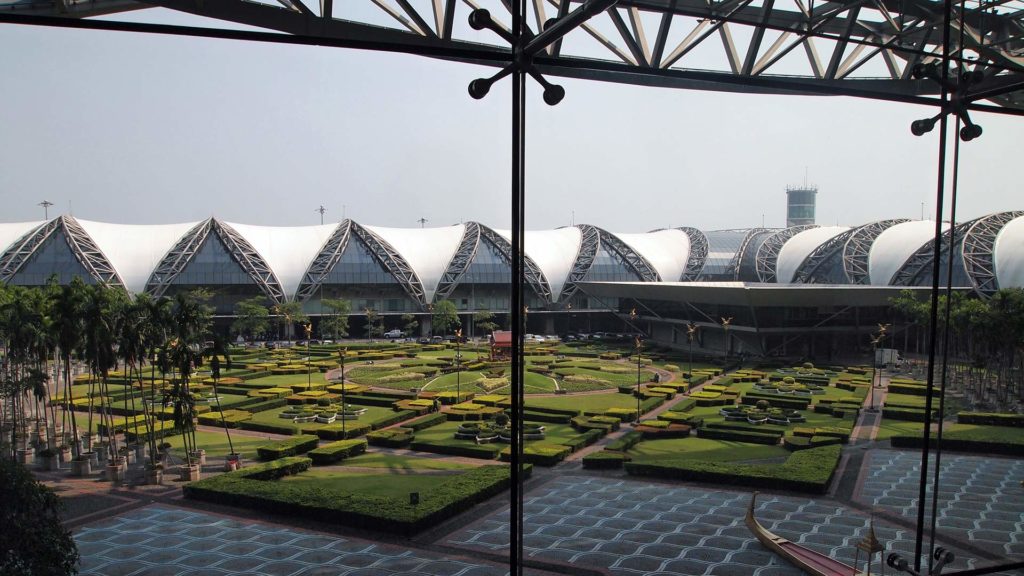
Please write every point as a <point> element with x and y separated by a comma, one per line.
<point>26,456</point>
<point>81,467</point>
<point>232,462</point>
<point>190,473</point>
<point>199,456</point>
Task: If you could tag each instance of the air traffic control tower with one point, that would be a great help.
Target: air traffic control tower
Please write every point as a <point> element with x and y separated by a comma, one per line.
<point>800,204</point>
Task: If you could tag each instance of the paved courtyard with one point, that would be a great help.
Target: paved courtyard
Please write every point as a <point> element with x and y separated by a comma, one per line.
<point>605,523</point>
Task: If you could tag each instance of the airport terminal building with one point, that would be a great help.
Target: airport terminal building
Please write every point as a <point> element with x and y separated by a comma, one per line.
<point>818,282</point>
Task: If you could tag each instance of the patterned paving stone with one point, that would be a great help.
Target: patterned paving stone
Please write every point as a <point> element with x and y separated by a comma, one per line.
<point>187,543</point>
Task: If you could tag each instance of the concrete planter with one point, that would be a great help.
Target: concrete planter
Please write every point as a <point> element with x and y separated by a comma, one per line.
<point>190,473</point>
<point>64,455</point>
<point>155,476</point>
<point>49,463</point>
<point>232,462</point>
<point>199,456</point>
<point>26,455</point>
<point>81,467</point>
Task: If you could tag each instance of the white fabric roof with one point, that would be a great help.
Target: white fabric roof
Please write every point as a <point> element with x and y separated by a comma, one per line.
<point>666,250</point>
<point>554,252</point>
<point>892,247</point>
<point>10,232</point>
<point>134,250</point>
<point>428,250</point>
<point>288,250</point>
<point>1009,254</point>
<point>799,247</point>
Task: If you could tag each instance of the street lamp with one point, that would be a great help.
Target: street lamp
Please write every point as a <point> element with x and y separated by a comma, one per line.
<point>309,333</point>
<point>458,361</point>
<point>691,333</point>
<point>725,345</point>
<point>632,321</point>
<point>344,406</point>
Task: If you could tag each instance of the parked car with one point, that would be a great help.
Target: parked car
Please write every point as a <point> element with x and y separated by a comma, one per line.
<point>424,340</point>
<point>437,340</point>
<point>396,333</point>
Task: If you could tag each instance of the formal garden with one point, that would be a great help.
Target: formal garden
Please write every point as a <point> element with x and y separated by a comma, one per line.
<point>397,436</point>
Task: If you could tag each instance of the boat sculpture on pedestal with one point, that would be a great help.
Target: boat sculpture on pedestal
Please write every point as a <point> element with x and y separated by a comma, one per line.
<point>807,560</point>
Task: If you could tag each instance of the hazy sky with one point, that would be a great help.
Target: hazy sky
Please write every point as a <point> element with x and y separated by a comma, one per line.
<point>151,129</point>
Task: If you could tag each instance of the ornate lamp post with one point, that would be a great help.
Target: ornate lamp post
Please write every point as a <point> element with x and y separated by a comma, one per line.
<point>632,319</point>
<point>458,362</point>
<point>344,406</point>
<point>725,345</point>
<point>691,333</point>
<point>309,332</point>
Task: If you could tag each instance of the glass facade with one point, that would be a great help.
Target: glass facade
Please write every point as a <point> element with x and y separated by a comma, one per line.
<point>609,268</point>
<point>54,258</point>
<point>723,246</point>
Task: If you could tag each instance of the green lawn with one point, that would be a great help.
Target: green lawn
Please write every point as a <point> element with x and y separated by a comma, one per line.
<point>397,463</point>
<point>888,428</point>
<point>367,484</point>
<point>449,382</point>
<point>704,449</point>
<point>216,444</point>
<point>285,380</point>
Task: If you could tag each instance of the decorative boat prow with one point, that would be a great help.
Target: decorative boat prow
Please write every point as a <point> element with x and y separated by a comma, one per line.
<point>807,560</point>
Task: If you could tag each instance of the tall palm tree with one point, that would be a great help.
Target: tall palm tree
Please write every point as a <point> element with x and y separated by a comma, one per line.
<point>101,313</point>
<point>67,330</point>
<point>156,325</point>
<point>190,325</point>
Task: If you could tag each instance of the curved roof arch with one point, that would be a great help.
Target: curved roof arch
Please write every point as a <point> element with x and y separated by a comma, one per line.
<point>460,262</point>
<point>135,250</point>
<point>428,251</point>
<point>82,247</point>
<point>698,253</point>
<point>799,247</point>
<point>919,264</point>
<point>393,262</point>
<point>287,250</point>
<point>892,247</point>
<point>667,251</point>
<point>11,232</point>
<point>554,252</point>
<point>501,240</point>
<point>1009,254</point>
<point>978,250</point>
<point>633,259</point>
<point>324,261</point>
<point>767,258</point>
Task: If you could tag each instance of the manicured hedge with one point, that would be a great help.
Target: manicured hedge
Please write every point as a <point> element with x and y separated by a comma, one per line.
<point>337,451</point>
<point>776,401</point>
<point>534,416</point>
<point>604,460</point>
<point>393,419</point>
<point>991,419</point>
<point>286,429</point>
<point>585,439</point>
<point>983,440</point>
<point>485,451</point>
<point>739,436</point>
<point>677,418</point>
<point>289,447</point>
<point>906,414</point>
<point>911,389</point>
<point>335,432</point>
<point>458,493</point>
<point>539,453</point>
<point>684,405</point>
<point>625,442</point>
<point>561,411</point>
<point>808,470</point>
<point>364,400</point>
<point>390,438</point>
<point>262,405</point>
<point>426,421</point>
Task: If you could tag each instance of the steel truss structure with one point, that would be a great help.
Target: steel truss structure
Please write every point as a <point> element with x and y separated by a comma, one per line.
<point>978,250</point>
<point>393,262</point>
<point>850,249</point>
<point>737,260</point>
<point>531,272</point>
<point>914,269</point>
<point>241,251</point>
<point>324,262</point>
<point>463,257</point>
<point>852,47</point>
<point>590,245</point>
<point>631,258</point>
<point>768,253</point>
<point>698,254</point>
<point>82,246</point>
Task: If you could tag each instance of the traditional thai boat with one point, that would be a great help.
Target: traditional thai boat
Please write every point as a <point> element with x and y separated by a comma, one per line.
<point>807,560</point>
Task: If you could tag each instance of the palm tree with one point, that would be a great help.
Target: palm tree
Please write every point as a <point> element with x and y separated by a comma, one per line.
<point>155,324</point>
<point>67,331</point>
<point>220,349</point>
<point>101,313</point>
<point>190,324</point>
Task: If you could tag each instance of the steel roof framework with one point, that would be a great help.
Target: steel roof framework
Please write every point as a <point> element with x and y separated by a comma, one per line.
<point>768,252</point>
<point>531,272</point>
<point>393,262</point>
<point>698,253</point>
<point>78,241</point>
<point>325,260</point>
<point>854,47</point>
<point>979,250</point>
<point>459,264</point>
<point>921,261</point>
<point>851,247</point>
<point>590,245</point>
